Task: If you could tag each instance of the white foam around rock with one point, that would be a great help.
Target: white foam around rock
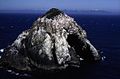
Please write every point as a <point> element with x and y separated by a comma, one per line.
<point>81,59</point>
<point>9,70</point>
<point>1,50</point>
<point>103,58</point>
<point>17,74</point>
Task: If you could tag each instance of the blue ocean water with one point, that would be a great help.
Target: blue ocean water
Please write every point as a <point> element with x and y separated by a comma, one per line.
<point>103,31</point>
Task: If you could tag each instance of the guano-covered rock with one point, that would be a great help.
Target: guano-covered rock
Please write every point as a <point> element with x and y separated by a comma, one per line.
<point>55,41</point>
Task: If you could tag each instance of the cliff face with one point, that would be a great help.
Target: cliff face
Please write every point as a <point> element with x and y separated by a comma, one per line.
<point>55,41</point>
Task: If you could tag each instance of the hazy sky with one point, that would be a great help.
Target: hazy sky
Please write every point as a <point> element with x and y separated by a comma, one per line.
<point>113,5</point>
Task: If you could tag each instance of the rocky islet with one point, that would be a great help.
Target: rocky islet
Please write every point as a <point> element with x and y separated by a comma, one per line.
<point>55,41</point>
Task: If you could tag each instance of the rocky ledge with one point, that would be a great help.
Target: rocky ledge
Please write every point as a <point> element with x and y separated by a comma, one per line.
<point>55,41</point>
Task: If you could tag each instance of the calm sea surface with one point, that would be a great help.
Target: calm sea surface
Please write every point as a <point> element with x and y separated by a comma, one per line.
<point>103,31</point>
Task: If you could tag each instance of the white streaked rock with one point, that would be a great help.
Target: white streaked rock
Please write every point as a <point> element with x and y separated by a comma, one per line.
<point>45,45</point>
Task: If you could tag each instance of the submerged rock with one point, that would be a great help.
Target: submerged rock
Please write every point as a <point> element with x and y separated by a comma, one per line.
<point>55,41</point>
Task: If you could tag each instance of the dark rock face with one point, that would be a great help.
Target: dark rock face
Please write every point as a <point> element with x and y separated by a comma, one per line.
<point>55,41</point>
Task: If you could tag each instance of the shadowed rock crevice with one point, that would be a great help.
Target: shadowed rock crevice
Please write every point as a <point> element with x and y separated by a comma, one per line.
<point>55,41</point>
<point>76,43</point>
<point>81,48</point>
<point>53,52</point>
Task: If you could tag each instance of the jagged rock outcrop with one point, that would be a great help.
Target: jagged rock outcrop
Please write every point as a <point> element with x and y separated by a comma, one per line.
<point>55,41</point>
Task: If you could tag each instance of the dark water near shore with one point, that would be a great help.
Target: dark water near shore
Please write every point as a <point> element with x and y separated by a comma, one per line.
<point>103,31</point>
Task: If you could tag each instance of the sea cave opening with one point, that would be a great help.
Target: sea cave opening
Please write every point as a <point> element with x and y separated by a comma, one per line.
<point>75,42</point>
<point>81,48</point>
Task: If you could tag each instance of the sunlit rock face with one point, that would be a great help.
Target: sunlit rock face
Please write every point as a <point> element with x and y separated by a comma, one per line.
<point>55,41</point>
